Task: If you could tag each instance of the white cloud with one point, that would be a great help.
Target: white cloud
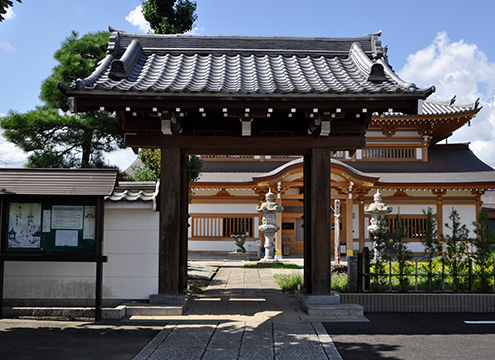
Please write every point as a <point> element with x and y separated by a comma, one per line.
<point>122,158</point>
<point>5,46</point>
<point>10,14</point>
<point>136,18</point>
<point>196,31</point>
<point>457,68</point>
<point>10,155</point>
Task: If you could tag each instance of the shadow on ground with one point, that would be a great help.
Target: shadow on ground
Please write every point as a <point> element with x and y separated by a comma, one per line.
<point>414,336</point>
<point>43,339</point>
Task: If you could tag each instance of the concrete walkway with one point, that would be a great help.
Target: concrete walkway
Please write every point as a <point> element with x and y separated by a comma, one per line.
<point>243,314</point>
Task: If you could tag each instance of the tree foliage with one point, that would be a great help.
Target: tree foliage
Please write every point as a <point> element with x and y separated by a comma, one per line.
<point>55,138</point>
<point>4,6</point>
<point>402,253</point>
<point>431,242</point>
<point>456,247</point>
<point>170,16</point>
<point>151,158</point>
<point>167,17</point>
<point>484,243</point>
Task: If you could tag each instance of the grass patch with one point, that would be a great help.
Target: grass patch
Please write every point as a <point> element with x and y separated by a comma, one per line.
<point>272,265</point>
<point>288,282</point>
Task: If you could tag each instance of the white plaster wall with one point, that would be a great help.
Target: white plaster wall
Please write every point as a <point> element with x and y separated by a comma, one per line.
<point>413,246</point>
<point>131,244</point>
<point>222,208</point>
<point>408,209</point>
<point>488,197</point>
<point>467,215</point>
<point>43,280</point>
<point>227,246</point>
<point>355,221</point>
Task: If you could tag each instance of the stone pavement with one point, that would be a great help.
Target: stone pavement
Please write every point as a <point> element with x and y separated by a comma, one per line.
<point>243,314</point>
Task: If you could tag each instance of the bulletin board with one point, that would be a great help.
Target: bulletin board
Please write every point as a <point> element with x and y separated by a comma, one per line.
<point>37,224</point>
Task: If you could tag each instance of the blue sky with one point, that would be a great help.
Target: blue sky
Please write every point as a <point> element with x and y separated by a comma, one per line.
<point>448,44</point>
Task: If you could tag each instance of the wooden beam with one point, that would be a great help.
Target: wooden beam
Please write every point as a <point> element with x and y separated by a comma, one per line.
<point>245,145</point>
<point>406,103</point>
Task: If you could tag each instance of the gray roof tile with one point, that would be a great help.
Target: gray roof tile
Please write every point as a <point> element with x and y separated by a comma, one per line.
<point>133,191</point>
<point>83,182</point>
<point>244,65</point>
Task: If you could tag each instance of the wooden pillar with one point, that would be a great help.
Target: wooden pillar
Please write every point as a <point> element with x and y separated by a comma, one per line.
<point>279,234</point>
<point>439,194</point>
<point>361,223</point>
<point>169,247</point>
<point>184,224</point>
<point>317,220</point>
<point>2,274</point>
<point>100,211</point>
<point>349,226</point>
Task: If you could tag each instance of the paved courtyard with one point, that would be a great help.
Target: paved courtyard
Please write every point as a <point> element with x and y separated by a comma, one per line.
<point>244,315</point>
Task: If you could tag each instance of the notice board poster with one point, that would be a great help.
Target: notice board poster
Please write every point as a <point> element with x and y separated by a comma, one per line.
<point>67,217</point>
<point>89,222</point>
<point>24,225</point>
<point>36,224</point>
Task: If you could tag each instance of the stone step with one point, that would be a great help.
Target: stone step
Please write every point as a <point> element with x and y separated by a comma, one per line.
<point>335,310</point>
<point>154,310</point>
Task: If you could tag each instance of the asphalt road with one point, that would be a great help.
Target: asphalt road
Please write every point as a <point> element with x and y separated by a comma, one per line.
<point>47,339</point>
<point>415,336</point>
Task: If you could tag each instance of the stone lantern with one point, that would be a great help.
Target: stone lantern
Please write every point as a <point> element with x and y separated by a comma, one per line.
<point>269,226</point>
<point>377,210</point>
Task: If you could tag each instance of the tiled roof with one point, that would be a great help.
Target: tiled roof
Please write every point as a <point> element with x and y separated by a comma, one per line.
<point>434,107</point>
<point>173,64</point>
<point>83,182</point>
<point>442,158</point>
<point>441,107</point>
<point>133,191</point>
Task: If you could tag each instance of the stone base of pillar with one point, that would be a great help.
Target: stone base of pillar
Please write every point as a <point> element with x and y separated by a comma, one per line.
<point>269,261</point>
<point>169,299</point>
<point>242,256</point>
<point>308,299</point>
<point>330,306</point>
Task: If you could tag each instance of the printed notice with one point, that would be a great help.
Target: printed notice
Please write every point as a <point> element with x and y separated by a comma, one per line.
<point>47,215</point>
<point>67,217</point>
<point>66,237</point>
<point>89,222</point>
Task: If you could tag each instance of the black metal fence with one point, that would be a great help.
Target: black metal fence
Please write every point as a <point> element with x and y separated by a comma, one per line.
<point>420,277</point>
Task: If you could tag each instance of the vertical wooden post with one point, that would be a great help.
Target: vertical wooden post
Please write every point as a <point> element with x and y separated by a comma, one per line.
<point>349,227</point>
<point>99,290</point>
<point>317,251</point>
<point>2,274</point>
<point>308,283</point>
<point>170,217</point>
<point>361,223</point>
<point>279,235</point>
<point>99,233</point>
<point>184,222</point>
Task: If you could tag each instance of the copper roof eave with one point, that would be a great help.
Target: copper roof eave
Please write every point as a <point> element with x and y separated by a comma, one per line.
<point>298,164</point>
